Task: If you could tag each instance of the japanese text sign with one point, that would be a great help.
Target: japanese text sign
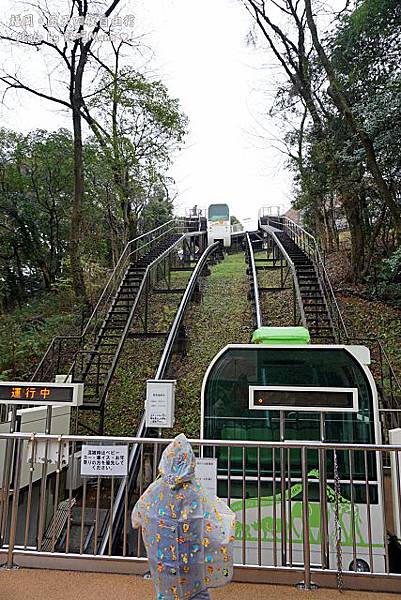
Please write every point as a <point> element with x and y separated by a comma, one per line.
<point>160,401</point>
<point>104,461</point>
<point>206,472</point>
<point>41,394</point>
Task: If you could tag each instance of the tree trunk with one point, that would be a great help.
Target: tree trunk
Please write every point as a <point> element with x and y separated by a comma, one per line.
<point>76,213</point>
<point>341,102</point>
<point>357,232</point>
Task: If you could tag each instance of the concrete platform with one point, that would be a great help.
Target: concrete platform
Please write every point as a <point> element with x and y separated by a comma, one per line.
<point>29,584</point>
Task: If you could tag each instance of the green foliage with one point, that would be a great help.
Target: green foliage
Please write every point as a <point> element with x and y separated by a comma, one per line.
<point>333,181</point>
<point>35,196</point>
<point>26,332</point>
<point>157,211</point>
<point>138,127</point>
<point>387,282</point>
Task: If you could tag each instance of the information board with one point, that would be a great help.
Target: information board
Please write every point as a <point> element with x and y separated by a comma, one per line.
<point>206,472</point>
<point>160,402</point>
<point>104,461</point>
<point>41,394</point>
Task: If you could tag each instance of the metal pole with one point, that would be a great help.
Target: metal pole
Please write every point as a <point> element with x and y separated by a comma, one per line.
<point>14,511</point>
<point>283,487</point>
<point>7,474</point>
<point>306,584</point>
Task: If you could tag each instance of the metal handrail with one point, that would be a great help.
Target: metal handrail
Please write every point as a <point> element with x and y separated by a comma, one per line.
<point>160,372</point>
<point>129,254</point>
<point>293,271</point>
<point>325,469</point>
<point>58,338</point>
<point>311,247</point>
<point>310,444</point>
<point>251,259</point>
<point>168,348</point>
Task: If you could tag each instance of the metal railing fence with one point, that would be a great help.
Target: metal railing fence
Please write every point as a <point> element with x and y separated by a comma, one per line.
<point>310,510</point>
<point>301,318</point>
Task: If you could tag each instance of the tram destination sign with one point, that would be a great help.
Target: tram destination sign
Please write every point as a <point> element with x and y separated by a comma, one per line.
<point>41,394</point>
<point>303,399</point>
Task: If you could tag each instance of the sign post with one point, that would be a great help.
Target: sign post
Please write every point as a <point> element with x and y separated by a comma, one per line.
<point>206,472</point>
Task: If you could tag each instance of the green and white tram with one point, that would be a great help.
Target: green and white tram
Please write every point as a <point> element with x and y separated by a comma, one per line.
<point>218,224</point>
<point>283,389</point>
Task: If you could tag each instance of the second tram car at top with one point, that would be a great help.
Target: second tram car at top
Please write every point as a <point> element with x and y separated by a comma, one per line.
<point>218,224</point>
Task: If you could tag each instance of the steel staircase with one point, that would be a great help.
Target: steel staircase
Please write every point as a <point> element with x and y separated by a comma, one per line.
<point>317,313</point>
<point>104,353</point>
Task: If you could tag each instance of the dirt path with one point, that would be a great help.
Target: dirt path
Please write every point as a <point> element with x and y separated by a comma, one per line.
<point>27,584</point>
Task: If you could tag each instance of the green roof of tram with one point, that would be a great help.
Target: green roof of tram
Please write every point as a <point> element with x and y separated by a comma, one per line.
<point>281,335</point>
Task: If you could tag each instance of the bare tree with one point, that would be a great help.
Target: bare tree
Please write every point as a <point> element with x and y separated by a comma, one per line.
<point>340,100</point>
<point>292,54</point>
<point>73,50</point>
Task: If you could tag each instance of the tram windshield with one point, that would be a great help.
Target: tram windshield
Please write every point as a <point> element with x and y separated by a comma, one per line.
<point>226,401</point>
<point>218,212</point>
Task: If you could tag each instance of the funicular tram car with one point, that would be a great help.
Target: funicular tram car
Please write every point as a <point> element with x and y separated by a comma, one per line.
<point>219,225</point>
<point>282,388</point>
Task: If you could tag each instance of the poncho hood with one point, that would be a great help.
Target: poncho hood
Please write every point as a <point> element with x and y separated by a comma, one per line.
<point>177,464</point>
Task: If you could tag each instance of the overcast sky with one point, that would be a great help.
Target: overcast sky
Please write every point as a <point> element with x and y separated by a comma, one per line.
<point>225,88</point>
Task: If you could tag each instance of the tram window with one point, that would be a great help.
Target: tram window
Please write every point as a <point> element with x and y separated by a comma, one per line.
<point>218,212</point>
<point>227,393</point>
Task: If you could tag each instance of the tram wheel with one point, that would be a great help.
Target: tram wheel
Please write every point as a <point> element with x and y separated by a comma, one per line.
<point>359,565</point>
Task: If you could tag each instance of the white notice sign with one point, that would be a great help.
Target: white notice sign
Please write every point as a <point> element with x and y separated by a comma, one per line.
<point>104,461</point>
<point>160,400</point>
<point>206,472</point>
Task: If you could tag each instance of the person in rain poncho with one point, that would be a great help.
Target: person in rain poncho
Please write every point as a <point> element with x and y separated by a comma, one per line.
<point>188,535</point>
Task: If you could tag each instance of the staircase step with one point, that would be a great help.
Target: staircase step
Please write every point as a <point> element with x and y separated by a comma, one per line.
<point>113,321</point>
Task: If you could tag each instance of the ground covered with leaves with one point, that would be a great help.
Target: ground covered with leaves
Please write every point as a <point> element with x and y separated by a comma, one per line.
<point>26,331</point>
<point>364,315</point>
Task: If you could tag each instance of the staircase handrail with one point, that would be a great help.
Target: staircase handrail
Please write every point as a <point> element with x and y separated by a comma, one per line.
<point>293,271</point>
<point>147,238</point>
<point>251,258</point>
<point>308,243</point>
<point>130,253</point>
<point>144,285</point>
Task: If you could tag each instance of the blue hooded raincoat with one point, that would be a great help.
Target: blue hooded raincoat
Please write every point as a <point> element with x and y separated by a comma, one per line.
<point>188,535</point>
